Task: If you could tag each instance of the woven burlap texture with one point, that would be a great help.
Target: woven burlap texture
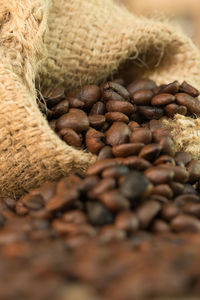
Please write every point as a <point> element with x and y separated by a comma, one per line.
<point>73,42</point>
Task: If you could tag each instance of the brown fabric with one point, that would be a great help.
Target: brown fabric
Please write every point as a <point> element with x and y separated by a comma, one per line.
<point>72,42</point>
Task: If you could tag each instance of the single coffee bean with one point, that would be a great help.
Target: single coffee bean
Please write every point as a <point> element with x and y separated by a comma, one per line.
<point>182,157</point>
<point>74,102</point>
<point>141,84</point>
<point>194,170</point>
<point>105,152</point>
<point>33,202</point>
<point>88,184</point>
<point>141,135</point>
<point>158,198</point>
<point>137,163</point>
<point>159,175</point>
<point>97,121</point>
<point>116,87</point>
<point>61,202</point>
<point>171,88</point>
<point>101,165</point>
<point>163,190</point>
<point>164,159</point>
<point>172,109</point>
<point>182,199</point>
<point>185,223</point>
<point>169,211</point>
<point>110,95</point>
<point>60,109</point>
<point>180,173</point>
<point>70,137</point>
<point>75,119</point>
<point>127,221</point>
<point>132,125</point>
<point>162,99</point>
<point>168,146</point>
<point>177,188</point>
<point>98,214</point>
<point>94,140</point>
<point>147,212</point>
<point>192,104</point>
<point>188,89</point>
<point>125,150</point>
<point>142,97</point>
<point>151,112</point>
<point>150,152</point>
<point>116,117</point>
<point>89,94</point>
<point>159,226</point>
<point>103,186</point>
<point>98,108</point>
<point>117,134</point>
<point>124,107</point>
<point>114,201</point>
<point>115,172</point>
<point>53,95</point>
<point>192,209</point>
<point>135,187</point>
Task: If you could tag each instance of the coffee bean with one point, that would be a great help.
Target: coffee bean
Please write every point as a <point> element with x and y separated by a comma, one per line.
<point>159,226</point>
<point>163,190</point>
<point>115,172</point>
<point>116,117</point>
<point>117,134</point>
<point>58,202</point>
<point>167,145</point>
<point>132,125</point>
<point>103,186</point>
<point>150,112</point>
<point>94,140</point>
<point>97,121</point>
<point>116,87</point>
<point>158,198</point>
<point>169,211</point>
<point>177,188</point>
<point>180,173</point>
<point>89,94</point>
<point>183,157</point>
<point>88,184</point>
<point>171,88</point>
<point>60,109</point>
<point>182,199</point>
<point>164,159</point>
<point>125,150</point>
<point>192,104</point>
<point>114,201</point>
<point>98,214</point>
<point>172,109</point>
<point>185,223</point>
<point>137,163</point>
<point>150,152</point>
<point>155,124</point>
<point>192,209</point>
<point>147,212</point>
<point>98,108</point>
<point>127,221</point>
<point>159,175</point>
<point>188,89</point>
<point>142,97</point>
<point>162,99</point>
<point>158,134</point>
<point>53,95</point>
<point>110,95</point>
<point>99,166</point>
<point>33,202</point>
<point>70,137</point>
<point>141,135</point>
<point>120,106</point>
<point>141,84</point>
<point>74,102</point>
<point>75,119</point>
<point>194,171</point>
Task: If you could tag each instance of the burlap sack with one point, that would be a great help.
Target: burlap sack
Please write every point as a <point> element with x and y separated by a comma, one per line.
<point>74,42</point>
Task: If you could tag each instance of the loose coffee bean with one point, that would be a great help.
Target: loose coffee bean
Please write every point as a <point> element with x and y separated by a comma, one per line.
<point>120,106</point>
<point>89,94</point>
<point>141,84</point>
<point>127,221</point>
<point>185,223</point>
<point>114,201</point>
<point>158,198</point>
<point>116,87</point>
<point>158,134</point>
<point>53,95</point>
<point>103,186</point>
<point>116,117</point>
<point>192,209</point>
<point>163,190</point>
<point>125,150</point>
<point>137,163</point>
<point>188,89</point>
<point>97,121</point>
<point>182,199</point>
<point>147,212</point>
<point>169,211</point>
<point>180,173</point>
<point>99,166</point>
<point>60,109</point>
<point>172,109</point>
<point>142,97</point>
<point>150,112</point>
<point>94,140</point>
<point>150,152</point>
<point>115,172</point>
<point>33,202</point>
<point>105,152</point>
<point>164,159</point>
<point>159,175</point>
<point>98,108</point>
<point>74,102</point>
<point>141,135</point>
<point>155,124</point>
<point>98,214</point>
<point>75,119</point>
<point>183,157</point>
<point>171,88</point>
<point>177,188</point>
<point>194,171</point>
<point>117,134</point>
<point>88,184</point>
<point>192,104</point>
<point>162,99</point>
<point>70,137</point>
<point>168,146</point>
<point>132,125</point>
<point>58,203</point>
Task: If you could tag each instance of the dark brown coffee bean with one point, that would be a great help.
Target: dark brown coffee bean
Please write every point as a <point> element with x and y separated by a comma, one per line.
<point>115,172</point>
<point>141,84</point>
<point>188,89</point>
<point>101,165</point>
<point>53,95</point>
<point>88,183</point>
<point>171,88</point>
<point>89,94</point>
<point>155,124</point>
<point>147,212</point>
<point>182,199</point>
<point>159,198</point>
<point>103,186</point>
<point>163,190</point>
<point>159,226</point>
<point>75,119</point>
<point>124,107</point>
<point>117,134</point>
<point>162,99</point>
<point>74,217</point>
<point>192,104</point>
<point>74,102</point>
<point>116,87</point>
<point>141,135</point>
<point>151,112</point>
<point>135,187</point>
<point>105,152</point>
<point>110,95</point>
<point>61,202</point>
<point>164,159</point>
<point>158,134</point>
<point>116,117</point>
<point>142,97</point>
<point>114,201</point>
<point>150,152</point>
<point>172,109</point>
<point>127,221</point>
<point>192,209</point>
<point>169,211</point>
<point>137,163</point>
<point>33,202</point>
<point>125,150</point>
<point>168,146</point>
<point>185,223</point>
<point>177,188</point>
<point>60,109</point>
<point>97,121</point>
<point>132,125</point>
<point>70,137</point>
<point>180,173</point>
<point>159,175</point>
<point>182,157</point>
<point>94,140</point>
<point>98,214</point>
<point>98,108</point>
<point>194,171</point>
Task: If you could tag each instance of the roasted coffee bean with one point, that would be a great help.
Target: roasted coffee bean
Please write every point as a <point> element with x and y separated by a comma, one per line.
<point>117,134</point>
<point>74,217</point>
<point>88,184</point>
<point>98,108</point>
<point>171,88</point>
<point>159,175</point>
<point>185,223</point>
<point>172,109</point>
<point>127,221</point>
<point>94,140</point>
<point>183,157</point>
<point>159,226</point>
<point>116,87</point>
<point>150,152</point>
<point>115,172</point>
<point>180,173</point>
<point>101,165</point>
<point>137,163</point>
<point>59,203</point>
<point>177,188</point>
<point>125,150</point>
<point>53,95</point>
<point>182,199</point>
<point>169,211</point>
<point>103,186</point>
<point>132,125</point>
<point>141,135</point>
<point>74,102</point>
<point>162,99</point>
<point>164,159</point>
<point>155,124</point>
<point>147,212</point>
<point>192,104</point>
<point>158,198</point>
<point>120,106</point>
<point>75,119</point>
<point>168,146</point>
<point>60,109</point>
<point>104,153</point>
<point>97,121</point>
<point>33,202</point>
<point>158,134</point>
<point>141,84</point>
<point>114,201</point>
<point>192,209</point>
<point>135,187</point>
<point>116,117</point>
<point>151,112</point>
<point>98,214</point>
<point>110,95</point>
<point>188,89</point>
<point>89,94</point>
<point>163,190</point>
<point>194,171</point>
<point>142,97</point>
<point>70,137</point>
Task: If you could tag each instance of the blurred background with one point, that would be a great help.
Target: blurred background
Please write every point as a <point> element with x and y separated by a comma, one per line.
<point>185,12</point>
